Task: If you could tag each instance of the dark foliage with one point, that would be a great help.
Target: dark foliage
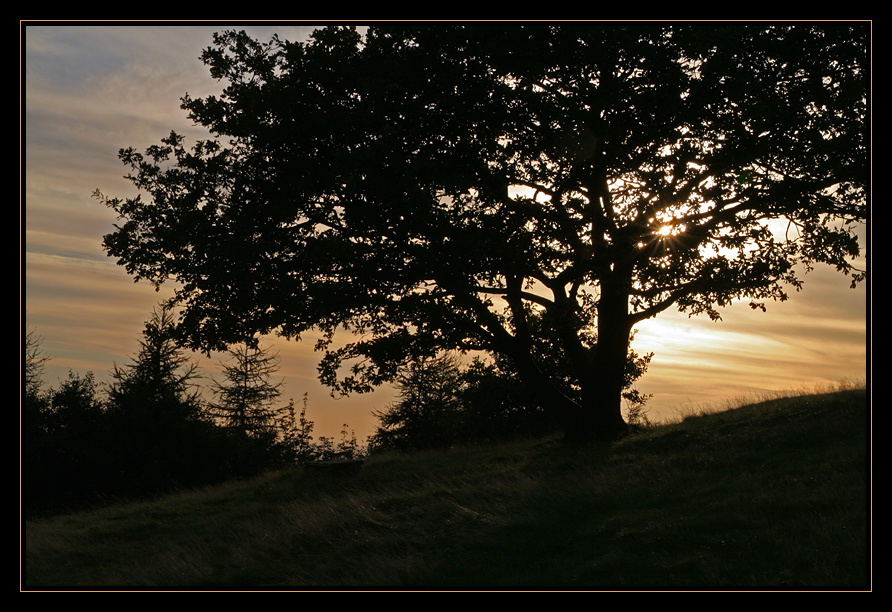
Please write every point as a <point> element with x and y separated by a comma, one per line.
<point>64,440</point>
<point>147,434</point>
<point>428,412</point>
<point>443,404</point>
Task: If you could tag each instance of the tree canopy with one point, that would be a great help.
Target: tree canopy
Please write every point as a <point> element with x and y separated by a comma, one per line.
<point>523,189</point>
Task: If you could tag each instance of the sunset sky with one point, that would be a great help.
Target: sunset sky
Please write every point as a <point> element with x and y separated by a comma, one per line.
<point>91,90</point>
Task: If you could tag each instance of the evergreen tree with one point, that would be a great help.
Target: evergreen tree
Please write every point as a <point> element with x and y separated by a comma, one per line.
<point>159,437</point>
<point>75,405</point>
<point>160,377</point>
<point>245,400</point>
<point>427,413</point>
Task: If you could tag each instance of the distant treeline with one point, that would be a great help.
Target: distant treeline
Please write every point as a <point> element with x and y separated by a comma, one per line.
<point>151,429</point>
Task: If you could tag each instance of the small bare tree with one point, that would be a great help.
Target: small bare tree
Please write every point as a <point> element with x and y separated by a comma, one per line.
<point>35,360</point>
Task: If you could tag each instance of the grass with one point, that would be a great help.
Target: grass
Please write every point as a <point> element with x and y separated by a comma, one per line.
<point>772,495</point>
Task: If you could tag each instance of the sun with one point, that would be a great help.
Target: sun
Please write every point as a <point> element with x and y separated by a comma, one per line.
<point>669,230</point>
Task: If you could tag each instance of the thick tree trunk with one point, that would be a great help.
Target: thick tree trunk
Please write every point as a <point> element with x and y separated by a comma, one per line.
<point>598,412</point>
<point>603,393</point>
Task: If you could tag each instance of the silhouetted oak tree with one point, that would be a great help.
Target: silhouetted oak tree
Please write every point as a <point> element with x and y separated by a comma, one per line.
<point>435,186</point>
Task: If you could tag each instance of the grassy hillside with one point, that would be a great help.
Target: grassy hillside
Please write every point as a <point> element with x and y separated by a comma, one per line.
<point>770,495</point>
